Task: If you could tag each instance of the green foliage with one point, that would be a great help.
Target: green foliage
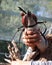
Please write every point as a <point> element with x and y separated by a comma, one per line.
<point>3,49</point>
<point>3,46</point>
<point>9,22</point>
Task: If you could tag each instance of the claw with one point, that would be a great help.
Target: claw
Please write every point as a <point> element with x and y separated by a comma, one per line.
<point>9,61</point>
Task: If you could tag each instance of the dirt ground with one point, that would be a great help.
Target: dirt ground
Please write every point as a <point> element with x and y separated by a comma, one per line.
<point>4,64</point>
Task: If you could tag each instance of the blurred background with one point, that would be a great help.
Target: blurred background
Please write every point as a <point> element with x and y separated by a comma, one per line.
<point>10,18</point>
